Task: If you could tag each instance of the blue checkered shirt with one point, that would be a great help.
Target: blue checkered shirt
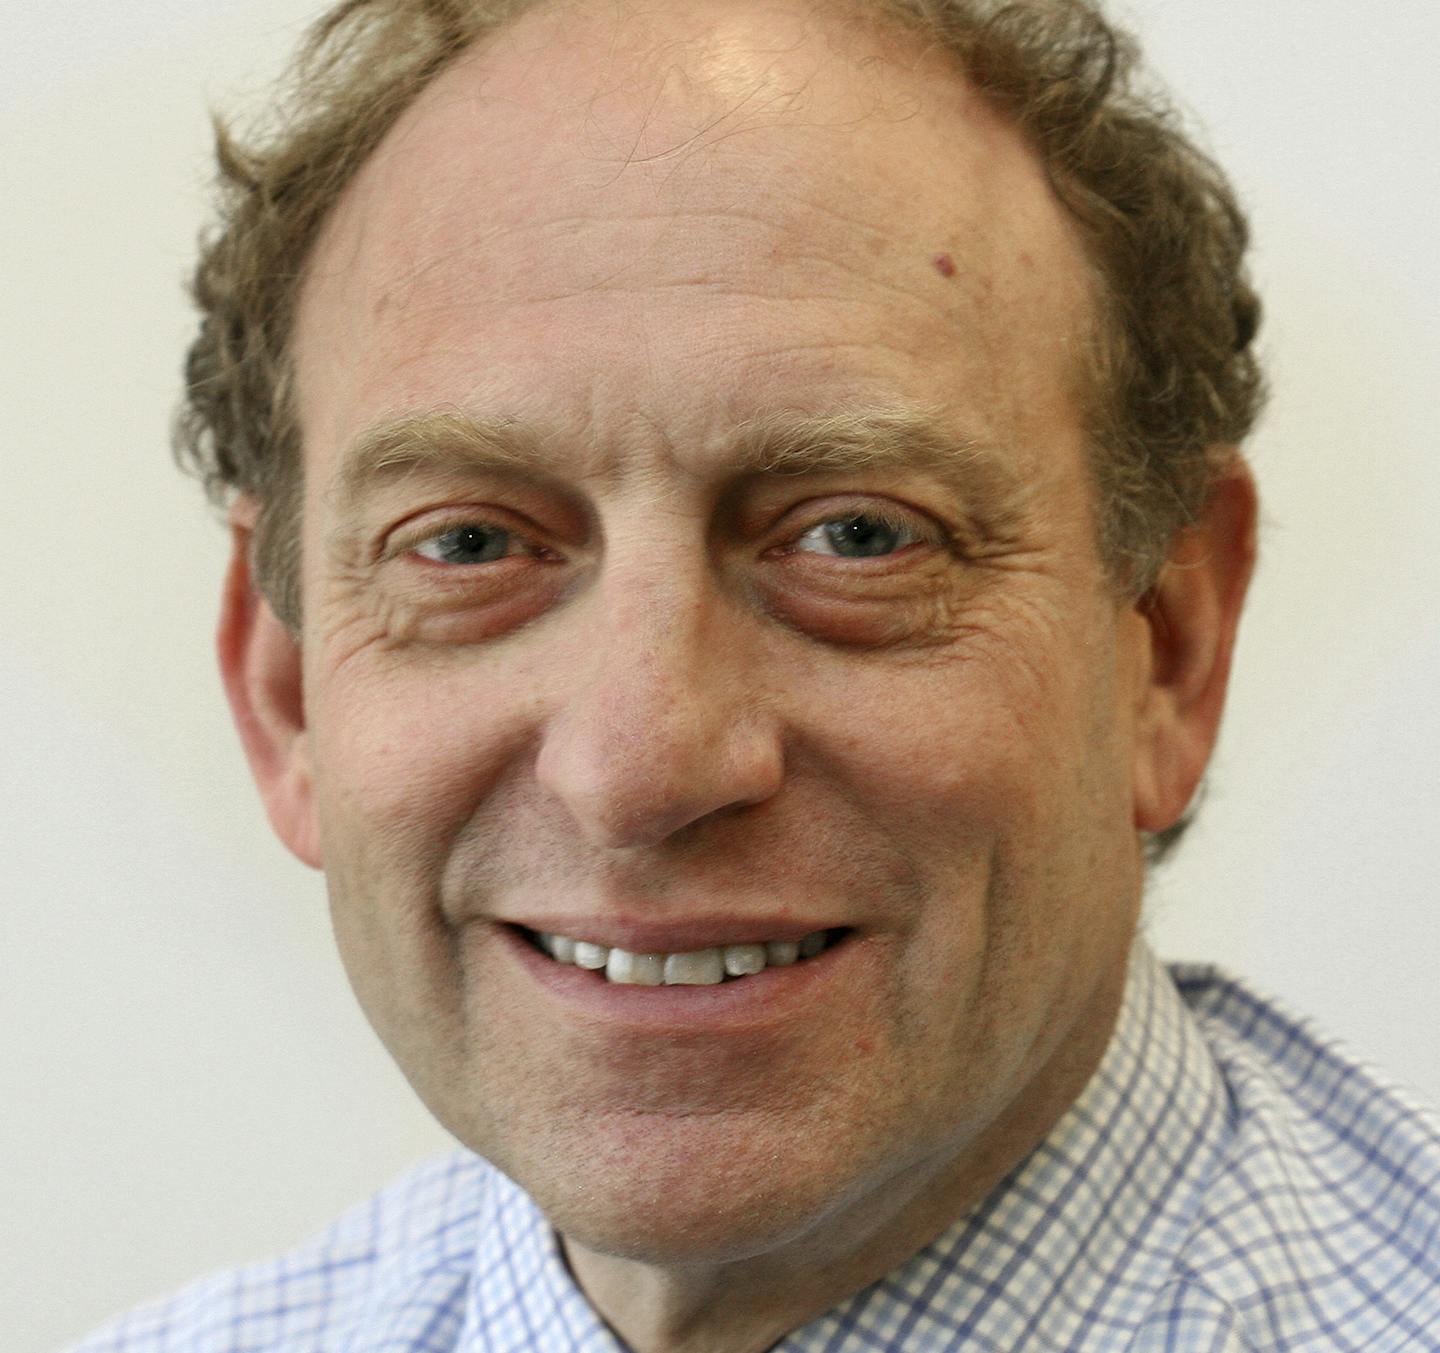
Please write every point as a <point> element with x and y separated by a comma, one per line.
<point>1227,1183</point>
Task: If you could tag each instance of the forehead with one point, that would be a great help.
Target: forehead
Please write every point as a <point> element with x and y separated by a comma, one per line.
<point>686,217</point>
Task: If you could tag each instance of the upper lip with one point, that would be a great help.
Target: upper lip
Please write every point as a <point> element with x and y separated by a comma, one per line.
<point>642,936</point>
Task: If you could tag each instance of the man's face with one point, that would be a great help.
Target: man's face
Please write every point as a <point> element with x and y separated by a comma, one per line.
<point>594,667</point>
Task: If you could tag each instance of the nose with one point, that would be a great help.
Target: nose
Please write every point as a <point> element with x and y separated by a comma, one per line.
<point>662,724</point>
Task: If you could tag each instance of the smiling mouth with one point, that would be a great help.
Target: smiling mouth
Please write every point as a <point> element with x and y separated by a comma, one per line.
<point>698,967</point>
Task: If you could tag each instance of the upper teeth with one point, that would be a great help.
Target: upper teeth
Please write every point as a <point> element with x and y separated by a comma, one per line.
<point>699,967</point>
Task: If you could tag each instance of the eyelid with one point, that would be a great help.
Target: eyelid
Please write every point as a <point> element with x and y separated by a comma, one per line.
<point>913,520</point>
<point>428,525</point>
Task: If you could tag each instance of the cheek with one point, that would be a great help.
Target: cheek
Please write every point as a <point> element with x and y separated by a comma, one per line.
<point>978,731</point>
<point>404,749</point>
<point>396,780</point>
<point>993,768</point>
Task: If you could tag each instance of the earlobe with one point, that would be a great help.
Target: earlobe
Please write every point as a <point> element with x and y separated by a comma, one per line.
<point>1191,618</point>
<point>260,664</point>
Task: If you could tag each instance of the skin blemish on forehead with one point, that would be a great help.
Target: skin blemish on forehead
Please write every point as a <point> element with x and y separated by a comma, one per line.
<point>944,265</point>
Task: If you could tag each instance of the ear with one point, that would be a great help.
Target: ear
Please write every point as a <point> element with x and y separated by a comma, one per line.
<point>1191,616</point>
<point>261,668</point>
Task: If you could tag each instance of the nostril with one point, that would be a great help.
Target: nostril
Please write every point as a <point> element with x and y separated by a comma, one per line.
<point>633,769</point>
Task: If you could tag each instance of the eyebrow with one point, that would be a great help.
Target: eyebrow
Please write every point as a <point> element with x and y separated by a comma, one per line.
<point>436,442</point>
<point>898,438</point>
<point>981,476</point>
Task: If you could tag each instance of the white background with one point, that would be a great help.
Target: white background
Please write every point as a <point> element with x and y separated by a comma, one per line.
<point>184,1078</point>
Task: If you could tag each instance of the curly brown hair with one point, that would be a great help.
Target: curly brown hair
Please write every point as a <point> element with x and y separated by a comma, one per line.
<point>1174,384</point>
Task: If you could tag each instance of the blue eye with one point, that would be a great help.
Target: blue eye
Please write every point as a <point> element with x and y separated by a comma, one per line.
<point>472,543</point>
<point>863,536</point>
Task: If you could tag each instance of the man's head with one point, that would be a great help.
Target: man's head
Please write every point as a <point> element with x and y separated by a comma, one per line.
<point>1172,382</point>
<point>701,545</point>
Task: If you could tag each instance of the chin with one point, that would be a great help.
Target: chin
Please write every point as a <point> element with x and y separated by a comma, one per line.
<point>666,1194</point>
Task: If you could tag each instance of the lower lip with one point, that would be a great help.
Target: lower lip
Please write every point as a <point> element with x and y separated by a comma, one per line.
<point>772,996</point>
